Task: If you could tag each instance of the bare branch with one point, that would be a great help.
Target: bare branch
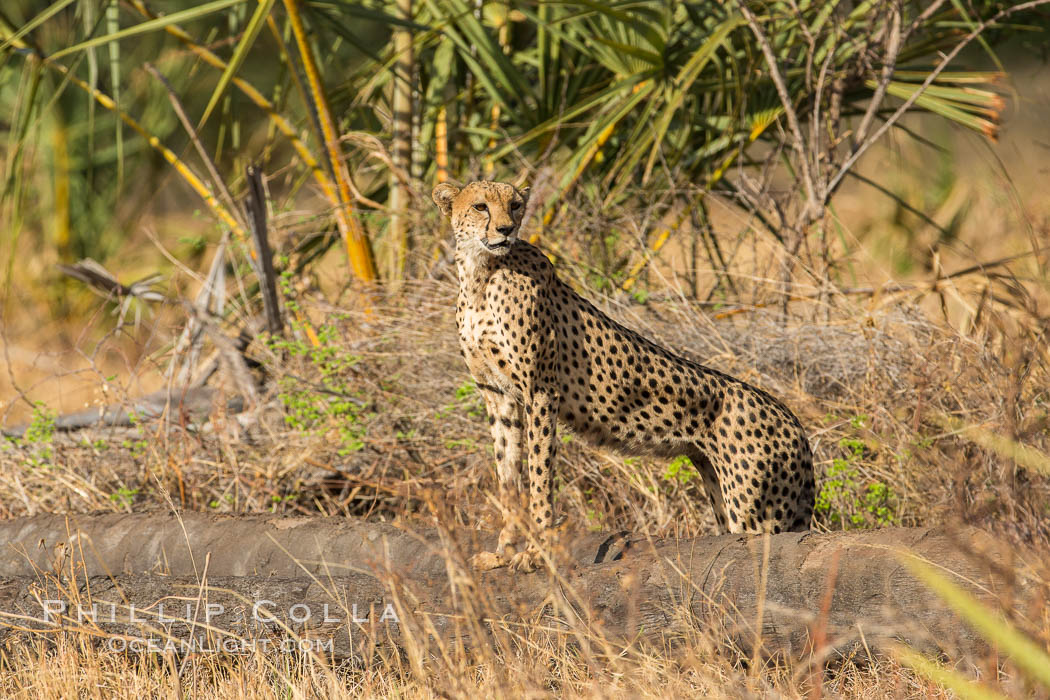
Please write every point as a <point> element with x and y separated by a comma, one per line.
<point>893,45</point>
<point>813,206</point>
<point>220,184</point>
<point>267,276</point>
<point>862,147</point>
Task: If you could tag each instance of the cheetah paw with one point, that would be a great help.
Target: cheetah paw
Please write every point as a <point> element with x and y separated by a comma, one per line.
<point>526,561</point>
<point>486,561</point>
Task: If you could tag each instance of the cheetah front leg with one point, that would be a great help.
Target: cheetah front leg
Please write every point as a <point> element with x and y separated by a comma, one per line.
<point>505,421</point>
<point>541,411</point>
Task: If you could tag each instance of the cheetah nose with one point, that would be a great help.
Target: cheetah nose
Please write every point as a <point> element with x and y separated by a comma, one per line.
<point>505,230</point>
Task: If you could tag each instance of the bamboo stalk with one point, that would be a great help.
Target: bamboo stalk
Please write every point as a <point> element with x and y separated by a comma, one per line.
<point>60,149</point>
<point>180,166</point>
<point>358,251</point>
<point>260,101</point>
<point>441,145</point>
<point>490,162</point>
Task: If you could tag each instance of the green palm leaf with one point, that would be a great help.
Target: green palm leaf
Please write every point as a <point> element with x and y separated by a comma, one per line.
<point>151,25</point>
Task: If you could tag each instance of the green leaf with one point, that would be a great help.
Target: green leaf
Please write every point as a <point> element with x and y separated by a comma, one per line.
<point>151,25</point>
<point>684,82</point>
<point>585,146</point>
<point>955,76</point>
<point>634,21</point>
<point>650,57</point>
<point>495,67</point>
<point>359,11</point>
<point>36,22</point>
<point>959,113</point>
<point>251,32</point>
<point>557,122</point>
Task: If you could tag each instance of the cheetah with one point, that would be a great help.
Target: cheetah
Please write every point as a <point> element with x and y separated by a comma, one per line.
<point>540,353</point>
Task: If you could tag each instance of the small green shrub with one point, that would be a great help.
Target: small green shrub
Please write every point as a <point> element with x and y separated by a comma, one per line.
<point>468,400</point>
<point>330,402</point>
<point>123,496</point>
<point>276,501</point>
<point>845,502</point>
<point>39,435</point>
<point>681,469</point>
<point>41,428</point>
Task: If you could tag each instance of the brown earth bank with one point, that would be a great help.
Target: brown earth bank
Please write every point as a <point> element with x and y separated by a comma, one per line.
<point>198,581</point>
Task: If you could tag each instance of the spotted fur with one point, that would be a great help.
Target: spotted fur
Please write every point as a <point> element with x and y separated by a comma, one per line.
<point>541,353</point>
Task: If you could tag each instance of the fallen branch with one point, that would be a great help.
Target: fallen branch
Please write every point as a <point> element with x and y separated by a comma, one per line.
<point>239,580</point>
<point>195,403</point>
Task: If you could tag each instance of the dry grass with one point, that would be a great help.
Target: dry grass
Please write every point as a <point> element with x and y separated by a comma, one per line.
<point>872,381</point>
<point>69,668</point>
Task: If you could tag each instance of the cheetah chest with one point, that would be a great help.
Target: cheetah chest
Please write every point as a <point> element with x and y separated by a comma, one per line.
<point>474,328</point>
<point>480,341</point>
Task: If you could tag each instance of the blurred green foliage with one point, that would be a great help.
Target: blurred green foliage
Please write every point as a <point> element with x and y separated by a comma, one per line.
<point>615,96</point>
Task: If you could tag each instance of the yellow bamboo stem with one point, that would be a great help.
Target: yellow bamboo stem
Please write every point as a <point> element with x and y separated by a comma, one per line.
<point>588,156</point>
<point>180,167</point>
<point>490,164</point>
<point>60,148</point>
<point>357,249</point>
<point>548,214</point>
<point>260,101</point>
<point>632,276</point>
<point>441,145</point>
<point>184,170</point>
<point>401,155</point>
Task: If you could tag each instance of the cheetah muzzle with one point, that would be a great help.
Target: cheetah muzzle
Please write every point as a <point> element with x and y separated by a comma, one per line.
<point>540,353</point>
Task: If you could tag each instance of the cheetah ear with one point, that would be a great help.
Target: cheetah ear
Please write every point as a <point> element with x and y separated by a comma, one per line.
<point>443,195</point>
<point>524,192</point>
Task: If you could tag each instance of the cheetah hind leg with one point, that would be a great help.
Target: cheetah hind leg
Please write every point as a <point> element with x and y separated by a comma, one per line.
<point>712,486</point>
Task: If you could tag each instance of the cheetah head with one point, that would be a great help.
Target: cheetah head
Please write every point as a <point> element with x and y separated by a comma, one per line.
<point>487,214</point>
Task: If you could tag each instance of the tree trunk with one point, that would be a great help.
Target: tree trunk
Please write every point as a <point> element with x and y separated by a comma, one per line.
<point>350,585</point>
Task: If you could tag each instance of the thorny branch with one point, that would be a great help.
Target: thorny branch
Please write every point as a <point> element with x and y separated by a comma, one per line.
<point>818,171</point>
<point>813,208</point>
<point>863,146</point>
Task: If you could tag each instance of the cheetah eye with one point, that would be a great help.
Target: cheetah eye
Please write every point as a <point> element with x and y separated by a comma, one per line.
<point>514,206</point>
<point>481,206</point>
